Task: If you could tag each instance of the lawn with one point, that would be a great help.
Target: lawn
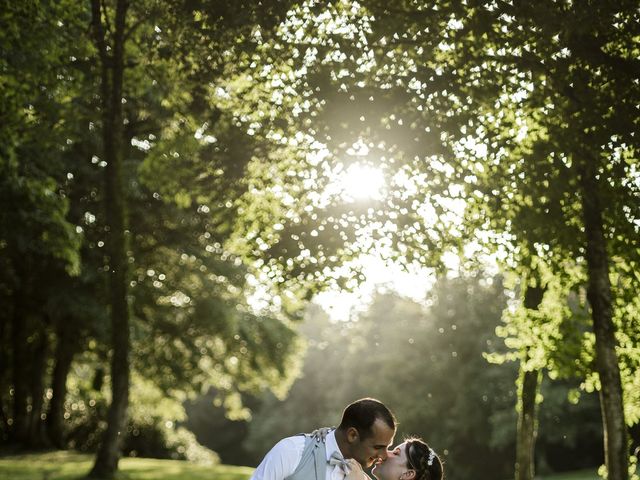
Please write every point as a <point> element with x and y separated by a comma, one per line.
<point>70,465</point>
<point>578,475</point>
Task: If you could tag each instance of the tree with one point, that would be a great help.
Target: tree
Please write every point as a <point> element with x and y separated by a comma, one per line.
<point>528,381</point>
<point>188,45</point>
<point>37,241</point>
<point>185,242</point>
<point>487,103</point>
<point>565,166</point>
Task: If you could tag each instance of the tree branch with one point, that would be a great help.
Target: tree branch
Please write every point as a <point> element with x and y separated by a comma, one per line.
<point>103,8</point>
<point>134,27</point>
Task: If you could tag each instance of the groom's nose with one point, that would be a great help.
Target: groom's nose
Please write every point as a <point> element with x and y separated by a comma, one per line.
<point>383,455</point>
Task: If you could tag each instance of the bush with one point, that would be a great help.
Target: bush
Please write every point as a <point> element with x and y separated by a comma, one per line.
<point>160,439</point>
<point>151,430</point>
<point>185,447</point>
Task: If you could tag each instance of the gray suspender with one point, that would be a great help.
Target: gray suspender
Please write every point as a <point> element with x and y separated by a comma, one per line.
<point>313,464</point>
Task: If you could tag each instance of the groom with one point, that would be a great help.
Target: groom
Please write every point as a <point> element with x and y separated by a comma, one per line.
<point>366,430</point>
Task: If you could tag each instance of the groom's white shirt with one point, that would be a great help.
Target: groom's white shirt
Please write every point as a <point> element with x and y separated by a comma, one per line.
<point>283,459</point>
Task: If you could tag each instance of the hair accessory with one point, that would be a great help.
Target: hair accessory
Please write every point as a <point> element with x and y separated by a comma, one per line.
<point>432,455</point>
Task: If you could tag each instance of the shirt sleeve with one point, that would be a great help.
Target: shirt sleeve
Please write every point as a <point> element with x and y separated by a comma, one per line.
<point>281,461</point>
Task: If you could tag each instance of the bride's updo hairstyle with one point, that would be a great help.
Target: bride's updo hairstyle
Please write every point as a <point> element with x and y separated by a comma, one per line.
<point>423,459</point>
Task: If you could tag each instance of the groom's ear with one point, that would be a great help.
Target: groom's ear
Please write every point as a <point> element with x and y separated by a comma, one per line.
<point>352,434</point>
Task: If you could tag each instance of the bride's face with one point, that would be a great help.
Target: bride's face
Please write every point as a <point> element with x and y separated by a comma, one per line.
<point>395,466</point>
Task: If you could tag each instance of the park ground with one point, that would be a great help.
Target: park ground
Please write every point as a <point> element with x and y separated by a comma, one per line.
<point>65,465</point>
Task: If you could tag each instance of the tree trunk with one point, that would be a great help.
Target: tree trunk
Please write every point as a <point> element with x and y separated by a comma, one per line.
<point>527,424</point>
<point>599,296</point>
<point>20,426</point>
<point>35,436</point>
<point>529,383</point>
<point>5,382</point>
<point>112,67</point>
<point>63,359</point>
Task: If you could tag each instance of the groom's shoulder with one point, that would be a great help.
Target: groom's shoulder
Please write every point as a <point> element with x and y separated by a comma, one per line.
<point>281,461</point>
<point>291,449</point>
<point>290,445</point>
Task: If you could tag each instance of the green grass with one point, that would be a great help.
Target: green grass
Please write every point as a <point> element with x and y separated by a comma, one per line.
<point>577,475</point>
<point>73,466</point>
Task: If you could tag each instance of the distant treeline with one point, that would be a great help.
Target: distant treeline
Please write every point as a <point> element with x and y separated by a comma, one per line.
<point>426,363</point>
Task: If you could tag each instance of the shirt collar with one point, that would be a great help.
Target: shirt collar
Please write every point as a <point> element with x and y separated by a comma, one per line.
<point>331,444</point>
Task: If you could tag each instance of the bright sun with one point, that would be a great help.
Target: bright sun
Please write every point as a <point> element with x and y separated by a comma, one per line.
<point>361,182</point>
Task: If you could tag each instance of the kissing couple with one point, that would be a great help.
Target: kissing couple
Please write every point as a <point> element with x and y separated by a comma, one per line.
<point>362,440</point>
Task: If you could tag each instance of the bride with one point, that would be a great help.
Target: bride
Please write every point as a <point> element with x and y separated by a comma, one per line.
<point>411,460</point>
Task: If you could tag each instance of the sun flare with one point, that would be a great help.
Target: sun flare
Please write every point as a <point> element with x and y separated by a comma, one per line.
<point>361,182</point>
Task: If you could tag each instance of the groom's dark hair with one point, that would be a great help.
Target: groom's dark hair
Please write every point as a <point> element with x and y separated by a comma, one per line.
<point>362,413</point>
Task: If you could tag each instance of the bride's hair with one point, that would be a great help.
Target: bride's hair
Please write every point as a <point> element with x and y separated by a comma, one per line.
<point>423,459</point>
